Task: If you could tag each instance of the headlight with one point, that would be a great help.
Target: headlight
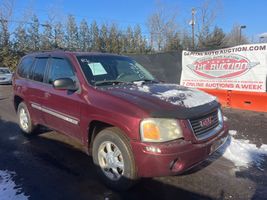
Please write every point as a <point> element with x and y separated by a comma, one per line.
<point>160,130</point>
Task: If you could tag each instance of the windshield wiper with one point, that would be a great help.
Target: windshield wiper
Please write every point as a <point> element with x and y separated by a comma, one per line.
<point>110,82</point>
<point>142,81</point>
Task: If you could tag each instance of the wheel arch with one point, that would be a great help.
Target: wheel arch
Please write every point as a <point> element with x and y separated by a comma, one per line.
<point>17,100</point>
<point>95,127</point>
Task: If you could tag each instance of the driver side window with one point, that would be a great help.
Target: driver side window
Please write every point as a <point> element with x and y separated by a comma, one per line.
<point>60,68</point>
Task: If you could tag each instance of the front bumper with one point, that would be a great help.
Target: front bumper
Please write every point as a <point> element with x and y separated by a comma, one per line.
<point>6,81</point>
<point>175,157</point>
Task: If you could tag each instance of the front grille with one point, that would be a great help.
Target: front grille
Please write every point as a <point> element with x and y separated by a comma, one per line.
<point>199,129</point>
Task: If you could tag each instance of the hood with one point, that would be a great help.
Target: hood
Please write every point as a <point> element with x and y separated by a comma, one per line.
<point>165,100</point>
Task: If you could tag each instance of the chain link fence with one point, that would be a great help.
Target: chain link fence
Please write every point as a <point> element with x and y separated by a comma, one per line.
<point>164,66</point>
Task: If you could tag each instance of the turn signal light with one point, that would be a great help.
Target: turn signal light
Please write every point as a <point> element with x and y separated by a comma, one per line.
<point>151,131</point>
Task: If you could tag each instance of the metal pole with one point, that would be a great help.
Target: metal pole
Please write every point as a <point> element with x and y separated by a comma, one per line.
<point>193,28</point>
<point>261,40</point>
<point>240,31</point>
<point>240,35</point>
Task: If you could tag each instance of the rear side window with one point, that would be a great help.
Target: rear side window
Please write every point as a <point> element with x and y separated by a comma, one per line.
<point>39,69</point>
<point>60,68</point>
<point>25,66</point>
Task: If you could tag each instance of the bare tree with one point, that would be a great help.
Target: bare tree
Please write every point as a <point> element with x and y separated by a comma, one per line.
<point>6,11</point>
<point>7,57</point>
<point>206,16</point>
<point>234,37</point>
<point>162,26</point>
<point>155,25</point>
<point>53,32</point>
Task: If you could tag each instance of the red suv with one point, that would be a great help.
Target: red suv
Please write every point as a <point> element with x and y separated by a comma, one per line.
<point>132,124</point>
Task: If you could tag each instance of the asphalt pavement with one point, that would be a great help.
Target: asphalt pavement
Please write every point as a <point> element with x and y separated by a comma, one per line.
<point>51,166</point>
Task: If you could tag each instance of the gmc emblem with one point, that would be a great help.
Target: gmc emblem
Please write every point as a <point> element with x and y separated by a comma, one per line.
<point>205,122</point>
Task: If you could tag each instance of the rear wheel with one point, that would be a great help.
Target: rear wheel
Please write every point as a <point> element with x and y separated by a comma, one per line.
<point>25,121</point>
<point>114,159</point>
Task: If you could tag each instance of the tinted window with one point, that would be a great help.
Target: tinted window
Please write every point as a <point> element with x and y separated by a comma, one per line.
<point>4,71</point>
<point>24,67</point>
<point>39,69</point>
<point>60,68</point>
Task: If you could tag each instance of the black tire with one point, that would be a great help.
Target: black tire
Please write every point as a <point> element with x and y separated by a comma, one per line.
<point>29,130</point>
<point>114,136</point>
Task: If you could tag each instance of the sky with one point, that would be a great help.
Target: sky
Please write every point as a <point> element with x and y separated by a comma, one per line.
<point>251,13</point>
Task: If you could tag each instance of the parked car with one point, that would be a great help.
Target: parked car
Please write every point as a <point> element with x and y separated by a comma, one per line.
<point>5,76</point>
<point>132,124</point>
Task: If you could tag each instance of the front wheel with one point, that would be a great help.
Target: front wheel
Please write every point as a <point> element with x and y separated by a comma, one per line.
<point>114,160</point>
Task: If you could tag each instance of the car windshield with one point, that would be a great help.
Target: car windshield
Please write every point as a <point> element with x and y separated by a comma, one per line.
<point>101,70</point>
<point>4,71</point>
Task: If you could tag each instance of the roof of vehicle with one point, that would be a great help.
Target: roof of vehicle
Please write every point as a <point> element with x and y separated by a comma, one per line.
<point>44,53</point>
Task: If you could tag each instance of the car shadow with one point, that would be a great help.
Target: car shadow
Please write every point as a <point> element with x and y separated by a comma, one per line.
<point>49,167</point>
<point>257,174</point>
<point>3,98</point>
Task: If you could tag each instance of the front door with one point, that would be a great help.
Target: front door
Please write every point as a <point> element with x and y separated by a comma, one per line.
<point>61,108</point>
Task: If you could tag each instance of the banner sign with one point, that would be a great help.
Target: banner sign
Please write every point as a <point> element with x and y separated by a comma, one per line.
<point>241,68</point>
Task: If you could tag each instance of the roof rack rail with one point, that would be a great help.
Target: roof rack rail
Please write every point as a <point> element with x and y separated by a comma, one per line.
<point>55,49</point>
<point>45,51</point>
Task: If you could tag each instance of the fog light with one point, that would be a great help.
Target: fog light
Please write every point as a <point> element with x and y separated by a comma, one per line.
<point>153,149</point>
<point>177,165</point>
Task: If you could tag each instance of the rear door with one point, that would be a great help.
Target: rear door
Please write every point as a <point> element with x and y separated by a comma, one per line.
<point>34,87</point>
<point>61,108</point>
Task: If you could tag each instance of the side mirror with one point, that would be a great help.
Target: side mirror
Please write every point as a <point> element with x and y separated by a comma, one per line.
<point>64,84</point>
